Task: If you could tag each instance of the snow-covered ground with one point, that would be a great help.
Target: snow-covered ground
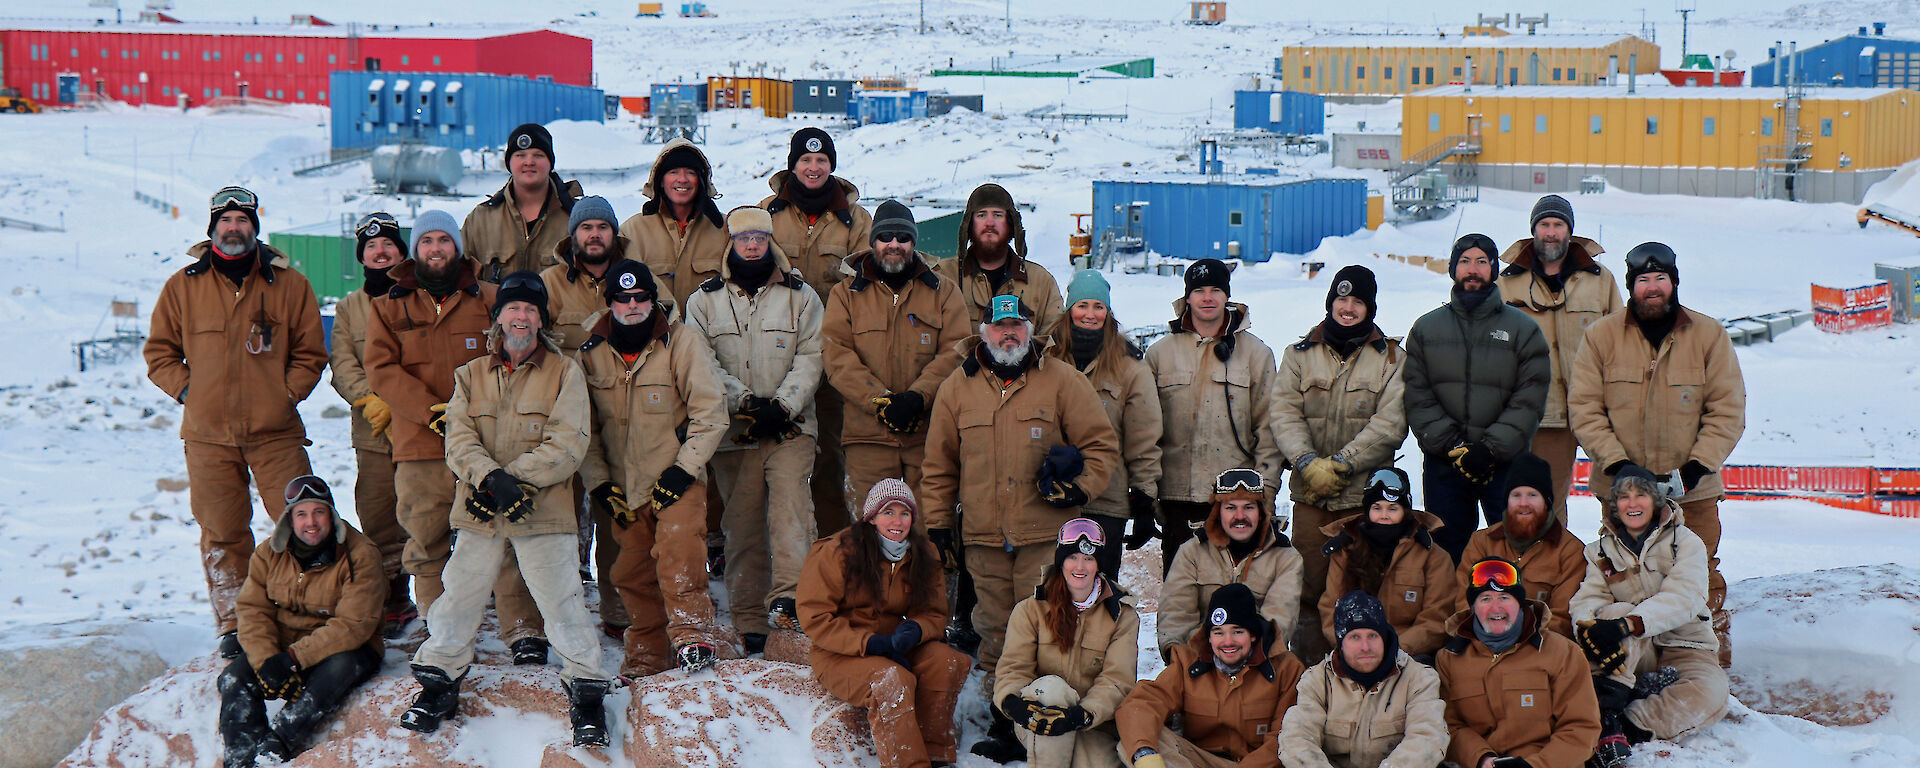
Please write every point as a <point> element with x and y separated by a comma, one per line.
<point>94,527</point>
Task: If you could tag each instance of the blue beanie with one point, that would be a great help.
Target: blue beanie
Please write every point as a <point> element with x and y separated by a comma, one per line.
<point>1089,284</point>
<point>436,221</point>
<point>589,209</point>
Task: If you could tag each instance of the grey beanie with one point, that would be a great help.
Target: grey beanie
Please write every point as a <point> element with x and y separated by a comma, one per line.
<point>436,221</point>
<point>893,218</point>
<point>1554,206</point>
<point>590,208</point>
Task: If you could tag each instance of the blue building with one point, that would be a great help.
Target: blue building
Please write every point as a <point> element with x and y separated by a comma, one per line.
<point>888,106</point>
<point>1864,59</point>
<point>1249,218</point>
<point>1285,112</point>
<point>462,111</point>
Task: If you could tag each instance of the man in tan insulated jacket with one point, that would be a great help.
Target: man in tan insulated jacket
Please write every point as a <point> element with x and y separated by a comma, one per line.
<point>1368,705</point>
<point>1240,545</point>
<point>992,260</point>
<point>380,247</point>
<point>309,625</point>
<point>659,413</point>
<point>516,433</point>
<point>1658,386</point>
<point>1527,696</point>
<point>818,222</point>
<point>762,322</point>
<point>249,326</point>
<point>1550,557</point>
<point>434,320</point>
<point>679,232</point>
<point>1558,280</point>
<point>1231,687</point>
<point>1216,393</point>
<point>890,336</point>
<point>519,226</point>
<point>1338,416</point>
<point>1655,595</point>
<point>1007,411</point>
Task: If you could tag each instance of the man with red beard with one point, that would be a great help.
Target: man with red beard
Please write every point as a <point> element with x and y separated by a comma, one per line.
<point>1532,537</point>
<point>1658,387</point>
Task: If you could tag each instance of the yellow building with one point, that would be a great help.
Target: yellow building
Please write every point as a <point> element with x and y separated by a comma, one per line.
<point>1714,142</point>
<point>1396,64</point>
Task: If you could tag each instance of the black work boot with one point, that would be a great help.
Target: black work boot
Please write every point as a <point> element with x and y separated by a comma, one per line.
<point>529,651</point>
<point>587,712</point>
<point>439,699</point>
<point>243,718</point>
<point>1613,750</point>
<point>230,645</point>
<point>1000,746</point>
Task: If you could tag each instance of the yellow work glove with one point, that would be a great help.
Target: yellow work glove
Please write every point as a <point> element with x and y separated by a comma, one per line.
<point>376,411</point>
<point>1325,477</point>
<point>439,421</point>
<point>1150,761</point>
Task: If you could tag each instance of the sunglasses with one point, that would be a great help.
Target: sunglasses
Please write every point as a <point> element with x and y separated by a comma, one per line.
<point>1234,480</point>
<point>635,297</point>
<point>307,488</point>
<point>1089,535</point>
<point>1498,574</point>
<point>893,237</point>
<point>240,196</point>
<point>527,283</point>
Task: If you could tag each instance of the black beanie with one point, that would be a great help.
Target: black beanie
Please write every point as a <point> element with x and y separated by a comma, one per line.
<point>524,285</point>
<point>893,218</point>
<point>235,195</point>
<point>530,136</point>
<point>811,139</point>
<point>1469,241</point>
<point>627,276</point>
<point>1356,281</point>
<point>1207,272</point>
<point>378,224</point>
<point>681,157</point>
<point>1081,545</point>
<point>1530,471</point>
<point>1235,604</point>
<point>1381,492</point>
<point>1656,257</point>
<point>1553,206</point>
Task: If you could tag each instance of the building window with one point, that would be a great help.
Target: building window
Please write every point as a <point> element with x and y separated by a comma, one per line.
<point>1236,218</point>
<point>1556,74</point>
<point>299,58</point>
<point>300,95</point>
<point>1706,126</point>
<point>1387,73</point>
<point>330,58</point>
<point>103,54</point>
<point>323,96</point>
<point>1593,124</point>
<point>1539,123</point>
<point>1766,126</point>
<point>72,53</point>
<point>1570,77</point>
<point>1433,121</point>
<point>403,61</point>
<point>1826,126</point>
<point>1506,123</point>
<point>1653,126</point>
<point>1456,72</point>
<point>206,56</point>
<point>813,90</point>
<point>216,57</point>
<point>1306,72</point>
<point>279,58</point>
<point>833,90</point>
<point>436,61</point>
<point>1429,75</point>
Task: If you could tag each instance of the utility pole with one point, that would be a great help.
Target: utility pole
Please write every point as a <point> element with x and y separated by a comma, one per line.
<point>1685,10</point>
<point>923,17</point>
<point>1009,15</point>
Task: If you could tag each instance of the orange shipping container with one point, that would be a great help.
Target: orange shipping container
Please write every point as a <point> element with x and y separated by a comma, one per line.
<point>1845,310</point>
<point>638,106</point>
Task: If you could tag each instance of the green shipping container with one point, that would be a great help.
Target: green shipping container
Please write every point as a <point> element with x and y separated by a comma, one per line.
<point>325,256</point>
<point>939,236</point>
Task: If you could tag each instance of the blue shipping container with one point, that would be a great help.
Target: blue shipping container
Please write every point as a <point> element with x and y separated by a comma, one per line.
<point>1288,112</point>
<point>1860,60</point>
<point>462,111</point>
<point>1247,220</point>
<point>692,92</point>
<point>869,107</point>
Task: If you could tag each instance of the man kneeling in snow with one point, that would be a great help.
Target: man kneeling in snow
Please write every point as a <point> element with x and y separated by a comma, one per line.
<point>308,615</point>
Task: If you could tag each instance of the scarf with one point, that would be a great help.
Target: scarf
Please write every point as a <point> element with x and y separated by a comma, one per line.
<point>1384,538</point>
<point>1342,339</point>
<point>235,267</point>
<point>812,202</point>
<point>378,282</point>
<point>1368,680</point>
<point>1086,345</point>
<point>438,289</point>
<point>1656,330</point>
<point>1471,300</point>
<point>1627,539</point>
<point>1500,643</point>
<point>630,339</point>
<point>1092,597</point>
<point>894,550</point>
<point>749,275</point>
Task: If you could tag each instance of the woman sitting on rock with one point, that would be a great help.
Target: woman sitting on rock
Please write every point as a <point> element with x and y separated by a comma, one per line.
<point>873,601</point>
<point>1071,657</point>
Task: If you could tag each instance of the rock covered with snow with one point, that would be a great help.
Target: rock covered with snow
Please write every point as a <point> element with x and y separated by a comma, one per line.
<point>1837,647</point>
<point>743,712</point>
<point>57,685</point>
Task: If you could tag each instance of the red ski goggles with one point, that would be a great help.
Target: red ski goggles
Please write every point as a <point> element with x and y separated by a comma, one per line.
<point>1495,573</point>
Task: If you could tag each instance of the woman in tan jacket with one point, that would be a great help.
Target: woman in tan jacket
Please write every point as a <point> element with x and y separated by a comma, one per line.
<point>1388,551</point>
<point>873,601</point>
<point>1071,656</point>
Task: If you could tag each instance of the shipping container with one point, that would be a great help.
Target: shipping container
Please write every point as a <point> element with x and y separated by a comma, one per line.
<point>821,97</point>
<point>1904,290</point>
<point>1288,112</point>
<point>1246,220</point>
<point>940,236</point>
<point>941,103</point>
<point>1849,309</point>
<point>636,105</point>
<point>323,253</point>
<point>1206,12</point>
<point>1366,150</point>
<point>695,93</point>
<point>774,98</point>
<point>871,107</point>
<point>1387,64</point>
<point>467,111</point>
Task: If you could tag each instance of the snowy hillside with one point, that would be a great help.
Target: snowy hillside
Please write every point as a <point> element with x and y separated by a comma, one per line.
<point>94,520</point>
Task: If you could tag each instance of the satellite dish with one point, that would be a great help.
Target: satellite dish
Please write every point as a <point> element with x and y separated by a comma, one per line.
<point>1727,56</point>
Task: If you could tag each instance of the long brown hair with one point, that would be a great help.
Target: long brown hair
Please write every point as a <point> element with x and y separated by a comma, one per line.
<point>866,564</point>
<point>1112,348</point>
<point>1062,619</point>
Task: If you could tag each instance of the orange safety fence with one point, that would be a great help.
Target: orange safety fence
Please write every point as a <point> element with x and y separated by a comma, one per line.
<point>1891,491</point>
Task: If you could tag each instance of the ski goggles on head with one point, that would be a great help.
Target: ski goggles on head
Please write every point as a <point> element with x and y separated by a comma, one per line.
<point>1497,574</point>
<point>308,488</point>
<point>1389,485</point>
<point>1086,534</point>
<point>371,224</point>
<point>523,282</point>
<point>240,196</point>
<point>1655,259</point>
<point>1234,480</point>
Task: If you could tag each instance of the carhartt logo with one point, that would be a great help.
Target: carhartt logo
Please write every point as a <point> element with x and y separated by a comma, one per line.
<point>653,398</point>
<point>1036,433</point>
<point>1217,618</point>
<point>779,343</point>
<point>926,338</point>
<point>627,280</point>
<point>1345,288</point>
<point>813,144</point>
<point>1526,699</point>
<point>473,343</point>
<point>1413,596</point>
<point>534,427</point>
<point>523,141</point>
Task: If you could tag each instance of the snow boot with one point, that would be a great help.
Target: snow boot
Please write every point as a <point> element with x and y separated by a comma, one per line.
<point>962,637</point>
<point>694,657</point>
<point>243,717</point>
<point>1650,683</point>
<point>439,699</point>
<point>589,715</point>
<point>230,645</point>
<point>783,615</point>
<point>1000,746</point>
<point>273,750</point>
<point>529,651</point>
<point>753,642</point>
<point>1613,749</point>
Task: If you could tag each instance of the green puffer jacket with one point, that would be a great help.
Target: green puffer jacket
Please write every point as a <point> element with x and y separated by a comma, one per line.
<point>1476,374</point>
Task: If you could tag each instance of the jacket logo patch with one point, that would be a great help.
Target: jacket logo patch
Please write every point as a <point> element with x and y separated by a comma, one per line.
<point>472,342</point>
<point>1261,729</point>
<point>535,427</point>
<point>1413,596</point>
<point>1526,699</point>
<point>779,343</point>
<point>1501,335</point>
<point>1036,433</point>
<point>926,338</point>
<point>653,398</point>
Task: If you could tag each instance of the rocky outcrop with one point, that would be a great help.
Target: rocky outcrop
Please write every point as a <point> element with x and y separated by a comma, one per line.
<point>56,686</point>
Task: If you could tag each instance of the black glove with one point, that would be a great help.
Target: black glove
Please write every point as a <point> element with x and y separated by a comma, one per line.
<point>1054,721</point>
<point>280,677</point>
<point>906,637</point>
<point>673,484</point>
<point>1021,711</point>
<point>480,505</point>
<point>1509,761</point>
<point>1604,642</point>
<point>509,494</point>
<point>902,413</point>
<point>1617,467</point>
<point>1145,527</point>
<point>1691,472</point>
<point>942,539</point>
<point>880,645</point>
<point>1062,494</point>
<point>1475,462</point>
<point>1338,542</point>
<point>613,501</point>
<point>766,418</point>
<point>1063,462</point>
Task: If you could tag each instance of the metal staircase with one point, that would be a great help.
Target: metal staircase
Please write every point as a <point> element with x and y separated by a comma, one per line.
<point>1439,152</point>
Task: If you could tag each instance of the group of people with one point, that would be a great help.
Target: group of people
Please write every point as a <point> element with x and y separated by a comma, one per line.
<point>548,386</point>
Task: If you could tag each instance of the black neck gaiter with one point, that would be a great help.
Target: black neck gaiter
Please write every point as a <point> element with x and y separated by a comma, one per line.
<point>1086,345</point>
<point>378,282</point>
<point>749,275</point>
<point>812,202</point>
<point>630,339</point>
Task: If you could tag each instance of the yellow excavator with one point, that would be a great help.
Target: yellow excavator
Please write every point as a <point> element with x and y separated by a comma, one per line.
<point>12,101</point>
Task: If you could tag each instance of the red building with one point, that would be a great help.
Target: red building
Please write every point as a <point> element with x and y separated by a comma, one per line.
<point>156,62</point>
